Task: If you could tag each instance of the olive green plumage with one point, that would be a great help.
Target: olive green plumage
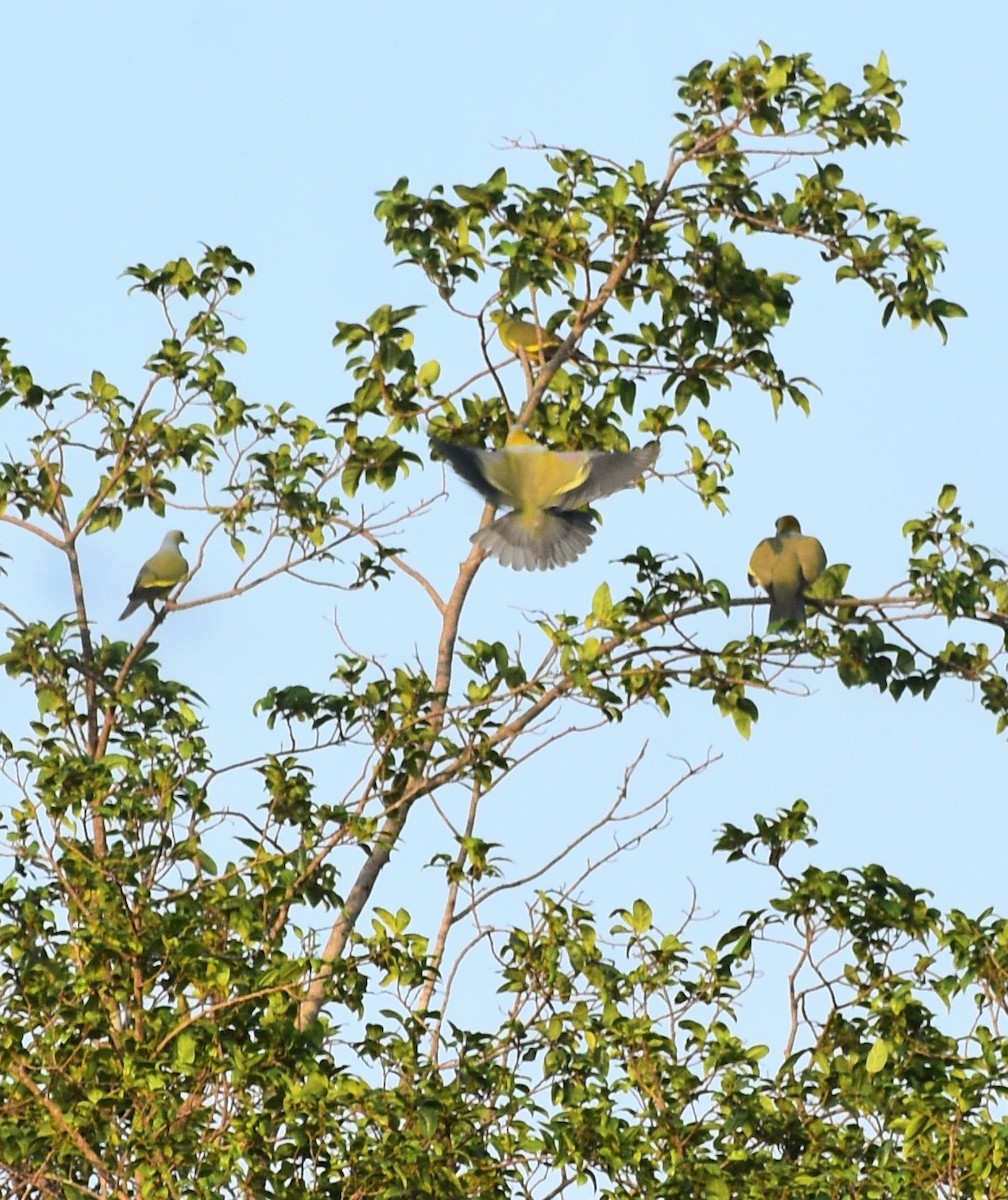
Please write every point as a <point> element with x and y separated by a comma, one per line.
<point>159,574</point>
<point>785,565</point>
<point>544,489</point>
<point>520,336</point>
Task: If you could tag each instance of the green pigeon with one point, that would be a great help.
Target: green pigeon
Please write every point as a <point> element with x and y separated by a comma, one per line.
<point>158,575</point>
<point>785,565</point>
<point>545,489</point>
<point>518,335</point>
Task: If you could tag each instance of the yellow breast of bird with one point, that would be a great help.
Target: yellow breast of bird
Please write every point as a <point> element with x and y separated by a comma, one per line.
<point>521,335</point>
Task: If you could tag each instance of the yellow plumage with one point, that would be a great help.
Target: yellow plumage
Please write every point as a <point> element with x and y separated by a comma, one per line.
<point>784,565</point>
<point>523,337</point>
<point>544,489</point>
<point>159,574</point>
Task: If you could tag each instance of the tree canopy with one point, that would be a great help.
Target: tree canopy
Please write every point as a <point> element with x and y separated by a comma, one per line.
<point>201,995</point>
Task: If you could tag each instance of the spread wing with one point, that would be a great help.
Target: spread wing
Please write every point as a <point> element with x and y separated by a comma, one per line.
<point>609,471</point>
<point>474,466</point>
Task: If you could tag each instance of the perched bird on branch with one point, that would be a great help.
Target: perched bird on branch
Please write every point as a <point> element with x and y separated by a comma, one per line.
<point>159,574</point>
<point>545,489</point>
<point>523,336</point>
<point>785,565</point>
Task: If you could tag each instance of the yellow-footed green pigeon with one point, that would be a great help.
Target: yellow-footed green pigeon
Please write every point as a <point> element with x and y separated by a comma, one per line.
<point>159,574</point>
<point>518,335</point>
<point>545,489</point>
<point>785,565</point>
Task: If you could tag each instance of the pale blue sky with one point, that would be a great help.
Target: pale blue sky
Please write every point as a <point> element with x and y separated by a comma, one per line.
<point>133,132</point>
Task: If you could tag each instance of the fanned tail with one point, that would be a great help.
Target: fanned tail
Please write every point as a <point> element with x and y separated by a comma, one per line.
<point>558,538</point>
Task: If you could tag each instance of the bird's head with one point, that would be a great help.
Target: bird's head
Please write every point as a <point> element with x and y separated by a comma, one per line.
<point>787,524</point>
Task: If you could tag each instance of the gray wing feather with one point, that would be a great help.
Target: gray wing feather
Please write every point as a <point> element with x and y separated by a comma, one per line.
<point>608,472</point>
<point>466,461</point>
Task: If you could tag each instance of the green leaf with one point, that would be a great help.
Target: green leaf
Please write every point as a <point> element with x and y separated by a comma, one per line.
<point>878,1056</point>
<point>602,604</point>
<point>185,1049</point>
<point>429,373</point>
<point>642,917</point>
<point>947,497</point>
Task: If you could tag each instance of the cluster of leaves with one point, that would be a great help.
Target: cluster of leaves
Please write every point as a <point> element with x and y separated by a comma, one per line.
<point>618,1066</point>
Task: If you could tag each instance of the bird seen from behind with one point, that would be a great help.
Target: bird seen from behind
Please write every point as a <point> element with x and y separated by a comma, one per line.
<point>785,565</point>
<point>545,489</point>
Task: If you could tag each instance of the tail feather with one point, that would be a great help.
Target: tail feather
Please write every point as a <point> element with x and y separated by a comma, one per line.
<point>144,596</point>
<point>558,538</point>
<point>790,606</point>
